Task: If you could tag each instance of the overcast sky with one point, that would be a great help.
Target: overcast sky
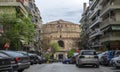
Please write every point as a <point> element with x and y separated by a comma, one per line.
<point>68,10</point>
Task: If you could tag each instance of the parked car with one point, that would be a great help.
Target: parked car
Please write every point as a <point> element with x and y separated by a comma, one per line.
<point>115,62</point>
<point>116,53</point>
<point>5,63</point>
<point>87,57</point>
<point>24,53</point>
<point>20,62</point>
<point>40,61</point>
<point>66,61</point>
<point>73,59</point>
<point>103,58</point>
<point>33,58</point>
<point>108,55</point>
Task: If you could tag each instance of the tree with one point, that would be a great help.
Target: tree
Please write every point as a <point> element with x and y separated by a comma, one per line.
<point>26,29</point>
<point>71,52</point>
<point>54,47</point>
<point>16,30</point>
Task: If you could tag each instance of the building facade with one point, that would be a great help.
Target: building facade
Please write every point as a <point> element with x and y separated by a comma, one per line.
<point>94,24</point>
<point>110,26</point>
<point>65,33</point>
<point>103,24</point>
<point>34,13</point>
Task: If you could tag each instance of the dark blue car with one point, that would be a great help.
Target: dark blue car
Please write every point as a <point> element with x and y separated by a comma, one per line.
<point>108,56</point>
<point>66,61</point>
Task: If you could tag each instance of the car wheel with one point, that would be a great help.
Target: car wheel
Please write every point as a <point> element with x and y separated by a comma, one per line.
<point>117,67</point>
<point>31,63</point>
<point>20,70</point>
<point>79,66</point>
<point>97,66</point>
<point>11,70</point>
<point>76,65</point>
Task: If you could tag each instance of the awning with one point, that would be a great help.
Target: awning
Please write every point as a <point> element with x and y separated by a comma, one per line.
<point>115,27</point>
<point>96,46</point>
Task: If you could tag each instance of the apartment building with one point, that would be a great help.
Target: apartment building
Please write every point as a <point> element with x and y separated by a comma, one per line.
<point>103,24</point>
<point>34,13</point>
<point>84,36</point>
<point>110,26</point>
<point>94,24</point>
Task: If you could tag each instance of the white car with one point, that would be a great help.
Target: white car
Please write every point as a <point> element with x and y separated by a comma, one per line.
<point>115,62</point>
<point>87,57</point>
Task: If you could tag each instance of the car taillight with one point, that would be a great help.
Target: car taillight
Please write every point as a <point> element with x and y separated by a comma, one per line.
<point>81,57</point>
<point>17,59</point>
<point>95,56</point>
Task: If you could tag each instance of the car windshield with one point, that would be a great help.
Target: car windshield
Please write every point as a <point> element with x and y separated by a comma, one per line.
<point>88,53</point>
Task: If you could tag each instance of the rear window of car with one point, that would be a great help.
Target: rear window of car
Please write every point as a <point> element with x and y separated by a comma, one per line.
<point>88,53</point>
<point>24,53</point>
<point>3,55</point>
<point>13,54</point>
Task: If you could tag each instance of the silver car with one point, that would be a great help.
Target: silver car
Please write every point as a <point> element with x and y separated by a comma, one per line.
<point>87,57</point>
<point>115,62</point>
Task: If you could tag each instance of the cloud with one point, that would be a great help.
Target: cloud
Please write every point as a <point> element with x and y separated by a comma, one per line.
<point>69,10</point>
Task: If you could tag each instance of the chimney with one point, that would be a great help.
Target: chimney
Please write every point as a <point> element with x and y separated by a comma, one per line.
<point>84,6</point>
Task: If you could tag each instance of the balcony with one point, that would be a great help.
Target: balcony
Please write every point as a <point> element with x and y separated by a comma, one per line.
<point>110,38</point>
<point>108,8</point>
<point>97,32</point>
<point>103,1</point>
<point>93,4</point>
<point>109,21</point>
<point>14,3</point>
<point>7,0</point>
<point>96,44</point>
<point>95,12</point>
<point>96,21</point>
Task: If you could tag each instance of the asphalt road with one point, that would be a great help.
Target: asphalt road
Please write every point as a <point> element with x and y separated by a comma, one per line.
<point>59,67</point>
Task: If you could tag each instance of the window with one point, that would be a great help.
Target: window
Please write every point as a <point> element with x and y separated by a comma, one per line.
<point>61,43</point>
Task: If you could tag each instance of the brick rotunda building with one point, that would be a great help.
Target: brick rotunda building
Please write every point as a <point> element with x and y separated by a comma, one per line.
<point>67,34</point>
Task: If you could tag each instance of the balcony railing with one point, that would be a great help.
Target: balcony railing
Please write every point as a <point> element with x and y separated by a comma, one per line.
<point>11,0</point>
<point>96,21</point>
<point>110,38</point>
<point>103,1</point>
<point>94,2</point>
<point>14,3</point>
<point>7,0</point>
<point>96,44</point>
<point>93,13</point>
<point>109,7</point>
<point>109,21</point>
<point>95,33</point>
